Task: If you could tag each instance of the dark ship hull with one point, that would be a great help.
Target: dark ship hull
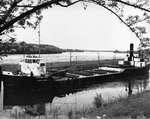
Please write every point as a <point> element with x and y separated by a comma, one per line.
<point>136,70</point>
<point>49,84</point>
<point>26,83</point>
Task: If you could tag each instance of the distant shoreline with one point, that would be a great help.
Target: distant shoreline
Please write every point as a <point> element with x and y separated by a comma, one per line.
<point>114,51</point>
<point>73,51</point>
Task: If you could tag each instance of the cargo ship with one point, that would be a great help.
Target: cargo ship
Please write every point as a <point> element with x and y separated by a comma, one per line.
<point>33,73</point>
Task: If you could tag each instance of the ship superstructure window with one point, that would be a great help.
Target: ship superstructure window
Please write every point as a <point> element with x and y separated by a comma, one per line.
<point>42,64</point>
<point>32,60</point>
<point>28,61</point>
<point>36,60</point>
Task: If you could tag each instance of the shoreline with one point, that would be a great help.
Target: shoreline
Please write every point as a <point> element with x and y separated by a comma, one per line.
<point>133,107</point>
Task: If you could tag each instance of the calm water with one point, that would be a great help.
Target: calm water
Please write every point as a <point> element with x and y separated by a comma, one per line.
<point>81,97</point>
<point>108,91</point>
<point>66,57</point>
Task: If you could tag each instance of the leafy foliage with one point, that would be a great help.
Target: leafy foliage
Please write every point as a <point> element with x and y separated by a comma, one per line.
<point>12,47</point>
<point>27,13</point>
<point>134,14</point>
<point>23,13</point>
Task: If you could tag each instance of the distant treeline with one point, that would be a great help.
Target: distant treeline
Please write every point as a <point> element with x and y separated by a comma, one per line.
<point>26,48</point>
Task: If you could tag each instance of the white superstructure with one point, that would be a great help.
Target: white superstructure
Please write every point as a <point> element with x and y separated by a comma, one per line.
<point>33,65</point>
<point>136,62</point>
<point>131,60</point>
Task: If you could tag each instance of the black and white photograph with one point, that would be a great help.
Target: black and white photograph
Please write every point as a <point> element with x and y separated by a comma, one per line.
<point>74,59</point>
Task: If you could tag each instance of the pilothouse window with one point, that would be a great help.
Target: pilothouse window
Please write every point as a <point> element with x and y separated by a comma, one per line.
<point>36,61</point>
<point>42,64</point>
<point>28,61</point>
<point>32,60</point>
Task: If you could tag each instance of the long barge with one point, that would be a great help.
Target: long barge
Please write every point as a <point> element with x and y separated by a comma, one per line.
<point>35,70</point>
<point>130,66</point>
<point>77,80</point>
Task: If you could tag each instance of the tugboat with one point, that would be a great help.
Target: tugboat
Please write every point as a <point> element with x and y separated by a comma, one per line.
<point>134,64</point>
<point>131,65</point>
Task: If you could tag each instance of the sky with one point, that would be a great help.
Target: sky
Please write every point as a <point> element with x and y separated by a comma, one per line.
<point>93,29</point>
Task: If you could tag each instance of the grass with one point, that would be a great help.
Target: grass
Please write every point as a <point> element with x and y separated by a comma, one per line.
<point>98,101</point>
<point>133,106</point>
<point>120,108</point>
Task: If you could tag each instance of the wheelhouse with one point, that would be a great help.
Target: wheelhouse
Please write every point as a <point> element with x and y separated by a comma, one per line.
<point>33,65</point>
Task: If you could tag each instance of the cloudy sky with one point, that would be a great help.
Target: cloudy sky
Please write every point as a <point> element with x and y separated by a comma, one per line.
<point>94,28</point>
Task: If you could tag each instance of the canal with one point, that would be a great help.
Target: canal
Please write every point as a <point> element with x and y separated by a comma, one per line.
<point>75,99</point>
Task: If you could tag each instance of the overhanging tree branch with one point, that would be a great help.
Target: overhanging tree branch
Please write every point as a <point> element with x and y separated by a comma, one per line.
<point>33,10</point>
<point>29,6</point>
<point>118,18</point>
<point>10,23</point>
<point>14,4</point>
<point>62,5</point>
<point>141,20</point>
<point>132,5</point>
<point>1,2</point>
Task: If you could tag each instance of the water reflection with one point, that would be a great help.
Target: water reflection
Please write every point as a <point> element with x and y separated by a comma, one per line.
<point>137,84</point>
<point>77,98</point>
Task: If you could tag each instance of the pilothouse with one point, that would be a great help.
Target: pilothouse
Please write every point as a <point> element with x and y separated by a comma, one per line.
<point>33,66</point>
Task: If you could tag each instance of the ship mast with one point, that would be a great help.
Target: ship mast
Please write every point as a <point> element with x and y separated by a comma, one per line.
<point>39,39</point>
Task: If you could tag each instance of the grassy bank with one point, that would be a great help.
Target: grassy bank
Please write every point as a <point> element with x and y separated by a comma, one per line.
<point>134,107</point>
<point>121,108</point>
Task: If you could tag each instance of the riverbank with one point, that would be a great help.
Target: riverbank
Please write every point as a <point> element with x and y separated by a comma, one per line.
<point>132,107</point>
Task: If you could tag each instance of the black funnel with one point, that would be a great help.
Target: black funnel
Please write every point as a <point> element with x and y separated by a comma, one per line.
<point>131,51</point>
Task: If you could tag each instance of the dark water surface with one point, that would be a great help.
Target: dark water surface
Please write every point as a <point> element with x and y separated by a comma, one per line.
<point>77,98</point>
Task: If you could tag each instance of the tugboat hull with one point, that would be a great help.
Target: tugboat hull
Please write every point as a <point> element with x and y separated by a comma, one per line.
<point>136,70</point>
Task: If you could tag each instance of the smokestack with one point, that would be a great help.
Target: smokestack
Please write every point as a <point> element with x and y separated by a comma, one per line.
<point>131,51</point>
